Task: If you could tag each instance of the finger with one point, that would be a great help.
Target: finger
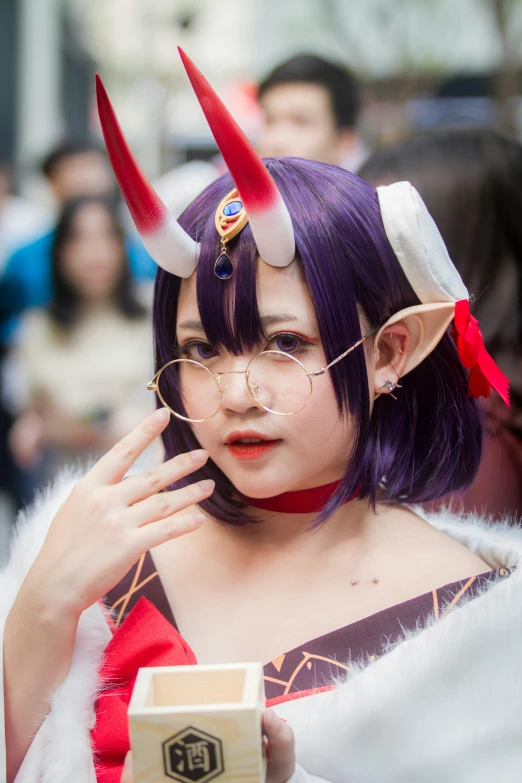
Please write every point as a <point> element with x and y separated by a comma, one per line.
<point>280,748</point>
<point>127,776</point>
<point>151,536</point>
<point>112,467</point>
<point>142,486</point>
<point>165,504</point>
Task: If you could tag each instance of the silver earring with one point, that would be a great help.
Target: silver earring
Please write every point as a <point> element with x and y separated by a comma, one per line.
<point>391,386</point>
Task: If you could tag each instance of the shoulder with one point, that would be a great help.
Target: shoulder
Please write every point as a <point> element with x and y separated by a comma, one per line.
<point>26,253</point>
<point>452,558</point>
<point>437,556</point>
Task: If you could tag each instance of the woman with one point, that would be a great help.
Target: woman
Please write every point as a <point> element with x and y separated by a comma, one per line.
<point>282,338</point>
<point>471,181</point>
<point>86,354</point>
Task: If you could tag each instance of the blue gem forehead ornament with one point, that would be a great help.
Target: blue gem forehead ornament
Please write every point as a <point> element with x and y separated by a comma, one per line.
<point>230,219</point>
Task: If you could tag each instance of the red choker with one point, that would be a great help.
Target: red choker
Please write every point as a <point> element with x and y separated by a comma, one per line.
<point>304,501</point>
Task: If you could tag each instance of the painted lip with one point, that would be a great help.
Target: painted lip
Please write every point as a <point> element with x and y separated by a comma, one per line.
<point>250,451</point>
<point>248,435</point>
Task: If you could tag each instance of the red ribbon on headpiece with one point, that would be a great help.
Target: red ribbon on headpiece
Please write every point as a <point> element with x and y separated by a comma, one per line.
<point>484,372</point>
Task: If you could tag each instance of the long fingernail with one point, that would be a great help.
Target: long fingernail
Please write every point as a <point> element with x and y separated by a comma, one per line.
<point>162,415</point>
<point>207,485</point>
<point>199,456</point>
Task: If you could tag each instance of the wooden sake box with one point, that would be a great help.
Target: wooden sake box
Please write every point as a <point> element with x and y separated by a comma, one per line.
<point>198,723</point>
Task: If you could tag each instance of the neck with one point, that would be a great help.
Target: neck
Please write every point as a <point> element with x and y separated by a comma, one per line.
<point>96,305</point>
<point>279,532</point>
<point>284,520</point>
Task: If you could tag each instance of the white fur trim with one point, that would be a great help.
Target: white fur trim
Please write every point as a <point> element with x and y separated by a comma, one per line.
<point>61,750</point>
<point>301,776</point>
<point>418,245</point>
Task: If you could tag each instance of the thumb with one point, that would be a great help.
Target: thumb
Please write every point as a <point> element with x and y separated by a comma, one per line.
<point>126,775</point>
<point>280,748</point>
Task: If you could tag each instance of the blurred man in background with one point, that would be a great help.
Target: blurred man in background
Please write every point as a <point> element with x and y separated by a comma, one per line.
<point>310,108</point>
<point>73,170</point>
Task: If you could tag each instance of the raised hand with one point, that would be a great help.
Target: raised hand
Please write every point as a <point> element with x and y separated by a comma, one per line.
<point>100,531</point>
<point>106,524</point>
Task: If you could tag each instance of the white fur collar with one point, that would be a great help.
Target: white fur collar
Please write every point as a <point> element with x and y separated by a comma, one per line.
<point>60,752</point>
<point>444,705</point>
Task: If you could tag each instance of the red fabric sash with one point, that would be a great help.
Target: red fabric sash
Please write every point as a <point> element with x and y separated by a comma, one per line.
<point>145,638</point>
<point>484,372</point>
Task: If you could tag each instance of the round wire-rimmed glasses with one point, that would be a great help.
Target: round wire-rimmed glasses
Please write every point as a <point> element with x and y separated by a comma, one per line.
<point>276,381</point>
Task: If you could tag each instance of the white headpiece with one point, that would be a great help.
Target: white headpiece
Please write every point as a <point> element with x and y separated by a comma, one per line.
<point>418,245</point>
<point>425,261</point>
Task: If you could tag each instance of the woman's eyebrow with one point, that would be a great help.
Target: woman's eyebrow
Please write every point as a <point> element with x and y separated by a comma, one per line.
<point>266,321</point>
<point>192,326</point>
<point>270,320</point>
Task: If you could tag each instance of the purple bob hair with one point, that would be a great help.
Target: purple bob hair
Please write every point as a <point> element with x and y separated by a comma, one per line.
<point>416,449</point>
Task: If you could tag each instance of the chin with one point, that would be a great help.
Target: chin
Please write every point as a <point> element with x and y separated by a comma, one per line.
<point>256,482</point>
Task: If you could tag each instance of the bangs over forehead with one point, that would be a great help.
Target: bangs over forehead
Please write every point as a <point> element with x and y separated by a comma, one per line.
<point>228,308</point>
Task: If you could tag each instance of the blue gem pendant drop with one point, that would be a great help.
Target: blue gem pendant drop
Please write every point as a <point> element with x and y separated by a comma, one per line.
<point>223,267</point>
<point>229,219</point>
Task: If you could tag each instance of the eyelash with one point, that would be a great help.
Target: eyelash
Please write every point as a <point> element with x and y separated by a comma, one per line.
<point>181,351</point>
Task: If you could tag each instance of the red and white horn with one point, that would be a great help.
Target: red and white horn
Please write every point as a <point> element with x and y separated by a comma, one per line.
<point>267,212</point>
<point>168,244</point>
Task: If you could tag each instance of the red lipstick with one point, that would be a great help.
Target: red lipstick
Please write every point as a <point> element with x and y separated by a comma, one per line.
<point>249,445</point>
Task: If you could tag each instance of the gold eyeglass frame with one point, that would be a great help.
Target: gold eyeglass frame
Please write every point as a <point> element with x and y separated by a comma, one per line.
<point>153,385</point>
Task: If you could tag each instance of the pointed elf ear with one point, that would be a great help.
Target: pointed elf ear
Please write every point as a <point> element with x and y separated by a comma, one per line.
<point>426,324</point>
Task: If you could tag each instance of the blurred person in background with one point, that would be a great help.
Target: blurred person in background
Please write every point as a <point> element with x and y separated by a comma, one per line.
<point>84,356</point>
<point>19,218</point>
<point>471,182</point>
<point>71,170</point>
<point>310,108</point>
